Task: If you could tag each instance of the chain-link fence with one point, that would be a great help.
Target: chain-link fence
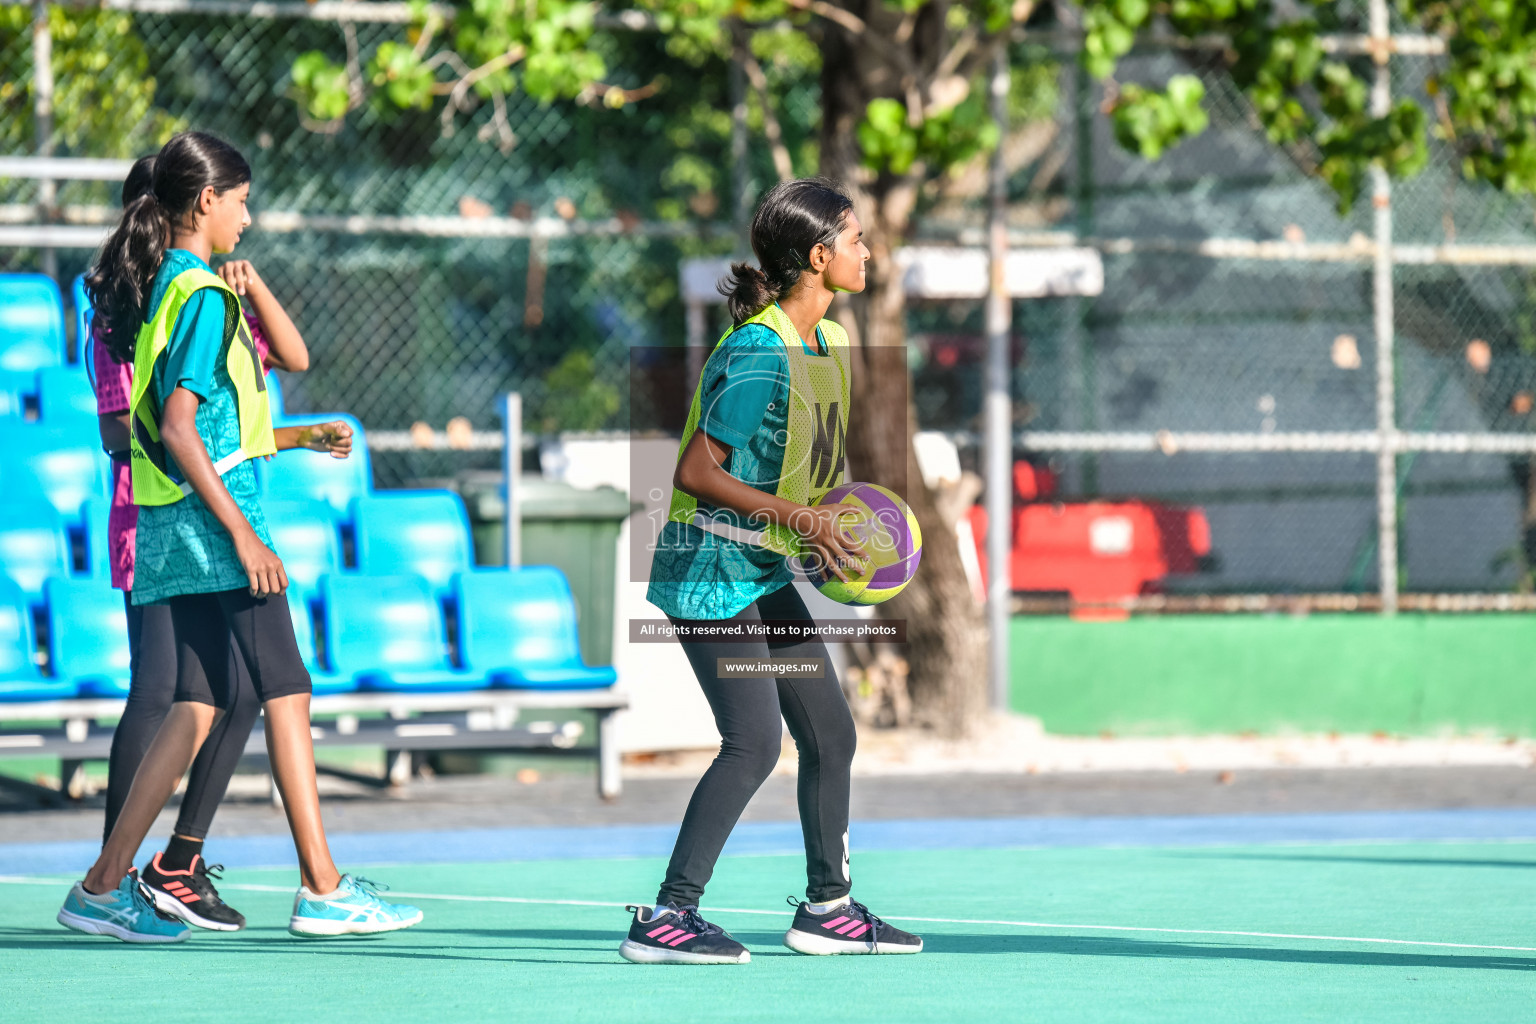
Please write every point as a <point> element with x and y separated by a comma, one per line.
<point>431,272</point>
<point>476,270</point>
<point>1230,363</point>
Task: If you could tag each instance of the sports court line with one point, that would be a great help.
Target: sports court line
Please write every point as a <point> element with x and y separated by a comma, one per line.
<point>773,838</point>
<point>1039,925</point>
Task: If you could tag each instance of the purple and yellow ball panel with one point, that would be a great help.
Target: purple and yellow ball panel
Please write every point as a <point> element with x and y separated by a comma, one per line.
<point>889,534</point>
<point>898,574</point>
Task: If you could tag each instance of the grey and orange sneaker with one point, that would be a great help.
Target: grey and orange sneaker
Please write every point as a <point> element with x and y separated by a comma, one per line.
<point>846,928</point>
<point>678,935</point>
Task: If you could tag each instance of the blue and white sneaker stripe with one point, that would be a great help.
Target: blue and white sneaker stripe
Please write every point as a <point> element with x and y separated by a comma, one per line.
<point>125,913</point>
<point>353,909</point>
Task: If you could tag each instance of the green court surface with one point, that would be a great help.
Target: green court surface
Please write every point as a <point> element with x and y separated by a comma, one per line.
<point>1033,935</point>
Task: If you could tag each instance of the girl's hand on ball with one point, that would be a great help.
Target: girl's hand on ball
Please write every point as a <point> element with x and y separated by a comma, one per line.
<point>833,545</point>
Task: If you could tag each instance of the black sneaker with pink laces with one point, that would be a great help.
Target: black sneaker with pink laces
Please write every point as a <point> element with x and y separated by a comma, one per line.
<point>846,928</point>
<point>678,935</point>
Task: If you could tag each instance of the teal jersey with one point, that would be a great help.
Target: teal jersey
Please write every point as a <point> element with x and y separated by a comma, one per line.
<point>181,548</point>
<point>745,405</point>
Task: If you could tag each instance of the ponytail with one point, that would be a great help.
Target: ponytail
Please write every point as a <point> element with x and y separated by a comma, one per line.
<point>125,270</point>
<point>160,194</point>
<point>748,292</point>
<point>793,218</point>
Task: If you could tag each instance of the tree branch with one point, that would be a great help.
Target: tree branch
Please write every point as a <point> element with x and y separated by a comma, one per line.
<point>781,162</point>
<point>354,67</point>
<point>498,125</point>
<point>460,90</point>
<point>428,30</point>
<point>893,55</point>
<point>965,58</point>
<point>957,53</point>
<point>598,92</point>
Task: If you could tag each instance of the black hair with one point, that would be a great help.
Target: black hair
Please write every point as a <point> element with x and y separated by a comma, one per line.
<point>119,284</point>
<point>140,180</point>
<point>793,218</point>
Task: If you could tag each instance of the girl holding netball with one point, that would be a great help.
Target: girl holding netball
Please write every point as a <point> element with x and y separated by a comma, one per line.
<point>198,414</point>
<point>763,442</point>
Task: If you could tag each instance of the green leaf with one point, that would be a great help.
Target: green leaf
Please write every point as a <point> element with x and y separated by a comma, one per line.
<point>1151,122</point>
<point>400,72</point>
<point>322,86</point>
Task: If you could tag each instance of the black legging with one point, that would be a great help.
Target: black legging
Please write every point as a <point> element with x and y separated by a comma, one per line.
<point>747,711</point>
<point>152,647</point>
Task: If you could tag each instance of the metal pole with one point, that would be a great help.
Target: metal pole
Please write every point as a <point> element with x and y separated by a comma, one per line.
<point>42,117</point>
<point>999,403</point>
<point>512,467</point>
<point>1083,367</point>
<point>741,173</point>
<point>697,326</point>
<point>1386,387</point>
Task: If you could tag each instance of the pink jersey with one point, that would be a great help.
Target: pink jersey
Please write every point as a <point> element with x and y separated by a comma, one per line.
<point>114,386</point>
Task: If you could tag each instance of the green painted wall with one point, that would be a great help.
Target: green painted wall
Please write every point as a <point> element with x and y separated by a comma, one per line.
<point>1413,674</point>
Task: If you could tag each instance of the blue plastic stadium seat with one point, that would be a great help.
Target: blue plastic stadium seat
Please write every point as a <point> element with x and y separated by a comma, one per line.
<point>64,392</point>
<point>518,627</point>
<point>19,677</point>
<point>64,462</point>
<point>322,679</point>
<point>88,636</point>
<point>387,632</point>
<point>34,544</point>
<point>305,475</point>
<point>15,387</point>
<point>31,322</point>
<point>82,303</point>
<point>98,555</point>
<point>305,537</point>
<point>421,532</point>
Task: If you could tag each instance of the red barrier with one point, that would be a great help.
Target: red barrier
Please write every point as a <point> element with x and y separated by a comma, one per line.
<point>1095,551</point>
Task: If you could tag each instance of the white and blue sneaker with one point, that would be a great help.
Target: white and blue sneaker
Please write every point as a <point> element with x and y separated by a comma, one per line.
<point>353,909</point>
<point>126,913</point>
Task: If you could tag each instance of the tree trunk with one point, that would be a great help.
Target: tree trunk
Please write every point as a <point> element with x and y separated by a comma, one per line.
<point>946,630</point>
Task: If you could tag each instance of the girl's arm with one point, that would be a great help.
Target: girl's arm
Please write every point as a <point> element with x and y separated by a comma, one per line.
<point>701,473</point>
<point>288,351</point>
<point>178,430</point>
<point>114,431</point>
<point>335,438</point>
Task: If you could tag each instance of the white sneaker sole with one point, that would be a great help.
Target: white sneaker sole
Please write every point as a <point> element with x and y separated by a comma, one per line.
<point>168,904</point>
<point>821,945</point>
<point>636,953</point>
<point>313,927</point>
<point>91,926</point>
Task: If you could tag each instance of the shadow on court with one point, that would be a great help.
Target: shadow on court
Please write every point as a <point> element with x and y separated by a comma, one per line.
<point>479,945</point>
<point>1329,858</point>
<point>1163,949</point>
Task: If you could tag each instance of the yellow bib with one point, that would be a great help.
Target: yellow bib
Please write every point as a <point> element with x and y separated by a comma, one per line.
<point>152,483</point>
<point>817,426</point>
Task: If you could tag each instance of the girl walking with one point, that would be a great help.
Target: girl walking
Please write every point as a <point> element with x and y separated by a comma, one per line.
<point>179,872</point>
<point>763,442</point>
<point>198,414</point>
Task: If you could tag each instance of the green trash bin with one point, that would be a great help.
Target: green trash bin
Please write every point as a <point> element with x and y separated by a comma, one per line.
<point>573,529</point>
